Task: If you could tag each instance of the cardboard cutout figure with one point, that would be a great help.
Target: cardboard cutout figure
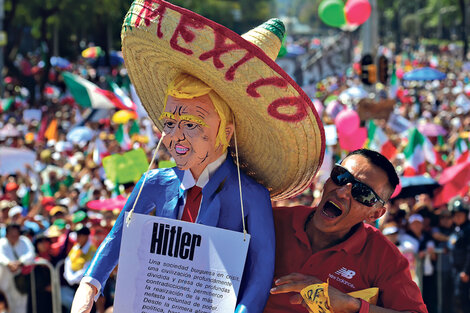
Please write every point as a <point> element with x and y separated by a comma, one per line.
<point>201,84</point>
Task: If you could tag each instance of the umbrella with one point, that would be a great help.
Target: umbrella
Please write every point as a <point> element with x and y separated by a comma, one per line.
<point>423,74</point>
<point>80,134</point>
<point>123,116</point>
<point>92,52</point>
<point>60,62</point>
<point>115,58</point>
<point>415,185</point>
<point>108,204</point>
<point>431,129</point>
<point>454,181</point>
<point>354,92</point>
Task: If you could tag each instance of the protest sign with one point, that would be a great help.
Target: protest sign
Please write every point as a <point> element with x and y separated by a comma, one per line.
<point>167,265</point>
<point>127,167</point>
<point>32,114</point>
<point>13,160</point>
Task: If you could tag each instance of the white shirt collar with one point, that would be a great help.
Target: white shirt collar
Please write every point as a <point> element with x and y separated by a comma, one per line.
<point>188,179</point>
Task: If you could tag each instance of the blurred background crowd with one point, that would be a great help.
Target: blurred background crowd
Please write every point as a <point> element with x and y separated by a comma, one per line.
<point>74,139</point>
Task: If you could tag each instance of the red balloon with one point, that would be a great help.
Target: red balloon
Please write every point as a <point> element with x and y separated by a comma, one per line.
<point>357,11</point>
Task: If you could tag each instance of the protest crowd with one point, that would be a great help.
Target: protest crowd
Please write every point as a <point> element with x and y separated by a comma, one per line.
<point>66,169</point>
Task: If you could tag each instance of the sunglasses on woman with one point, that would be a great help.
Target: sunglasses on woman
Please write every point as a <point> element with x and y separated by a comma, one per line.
<point>360,191</point>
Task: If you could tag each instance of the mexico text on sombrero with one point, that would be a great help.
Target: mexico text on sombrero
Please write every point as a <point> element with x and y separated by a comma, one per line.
<point>153,9</point>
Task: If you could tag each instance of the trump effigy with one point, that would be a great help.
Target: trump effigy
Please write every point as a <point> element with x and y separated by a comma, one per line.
<point>240,130</point>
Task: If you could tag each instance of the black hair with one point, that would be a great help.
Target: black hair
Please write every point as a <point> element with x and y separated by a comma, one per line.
<point>380,161</point>
<point>13,226</point>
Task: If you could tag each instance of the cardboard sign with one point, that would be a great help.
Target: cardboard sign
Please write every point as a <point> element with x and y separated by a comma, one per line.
<point>370,109</point>
<point>167,265</point>
<point>126,167</point>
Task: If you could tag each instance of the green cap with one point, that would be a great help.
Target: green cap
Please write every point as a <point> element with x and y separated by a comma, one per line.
<point>78,216</point>
<point>60,223</point>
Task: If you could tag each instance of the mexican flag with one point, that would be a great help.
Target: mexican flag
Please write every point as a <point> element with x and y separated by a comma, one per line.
<point>418,151</point>
<point>122,137</point>
<point>123,97</point>
<point>461,150</point>
<point>6,104</point>
<point>377,140</point>
<point>89,95</point>
<point>394,83</point>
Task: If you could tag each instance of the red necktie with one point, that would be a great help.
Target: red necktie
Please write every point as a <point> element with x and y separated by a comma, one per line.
<point>193,201</point>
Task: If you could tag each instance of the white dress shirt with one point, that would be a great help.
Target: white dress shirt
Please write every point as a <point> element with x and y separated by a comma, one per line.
<point>188,179</point>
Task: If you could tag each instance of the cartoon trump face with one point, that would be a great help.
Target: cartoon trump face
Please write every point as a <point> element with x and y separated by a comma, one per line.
<point>197,124</point>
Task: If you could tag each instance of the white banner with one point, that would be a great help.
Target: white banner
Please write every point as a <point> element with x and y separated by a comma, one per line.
<point>167,265</point>
<point>13,160</point>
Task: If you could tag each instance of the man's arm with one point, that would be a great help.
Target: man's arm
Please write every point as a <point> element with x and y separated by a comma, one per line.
<point>83,300</point>
<point>340,302</point>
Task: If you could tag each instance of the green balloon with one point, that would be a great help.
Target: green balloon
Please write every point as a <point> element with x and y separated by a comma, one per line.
<point>331,12</point>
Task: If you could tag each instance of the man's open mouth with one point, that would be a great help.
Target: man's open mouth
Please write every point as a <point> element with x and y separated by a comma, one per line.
<point>181,149</point>
<point>331,210</point>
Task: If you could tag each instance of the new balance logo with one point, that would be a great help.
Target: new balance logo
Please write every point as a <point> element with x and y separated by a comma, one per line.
<point>345,273</point>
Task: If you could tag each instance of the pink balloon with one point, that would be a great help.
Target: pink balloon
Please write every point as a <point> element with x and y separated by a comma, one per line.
<point>357,11</point>
<point>400,72</point>
<point>347,122</point>
<point>354,141</point>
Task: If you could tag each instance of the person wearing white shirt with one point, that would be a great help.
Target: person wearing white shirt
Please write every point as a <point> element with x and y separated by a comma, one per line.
<point>16,251</point>
<point>76,263</point>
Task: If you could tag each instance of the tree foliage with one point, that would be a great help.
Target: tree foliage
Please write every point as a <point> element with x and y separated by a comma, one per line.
<point>99,21</point>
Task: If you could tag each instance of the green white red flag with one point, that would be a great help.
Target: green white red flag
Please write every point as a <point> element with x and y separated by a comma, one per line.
<point>90,95</point>
<point>6,104</point>
<point>418,151</point>
<point>379,141</point>
<point>461,150</point>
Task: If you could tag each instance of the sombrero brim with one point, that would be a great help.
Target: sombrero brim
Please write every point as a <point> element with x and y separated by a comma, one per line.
<point>280,136</point>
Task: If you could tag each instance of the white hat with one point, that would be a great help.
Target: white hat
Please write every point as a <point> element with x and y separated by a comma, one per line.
<point>415,218</point>
<point>390,230</point>
<point>15,210</point>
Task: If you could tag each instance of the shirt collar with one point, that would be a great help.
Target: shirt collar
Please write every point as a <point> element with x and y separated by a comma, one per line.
<point>298,223</point>
<point>352,245</point>
<point>188,179</point>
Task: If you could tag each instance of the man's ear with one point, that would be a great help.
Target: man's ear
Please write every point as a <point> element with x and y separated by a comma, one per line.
<point>229,131</point>
<point>376,214</point>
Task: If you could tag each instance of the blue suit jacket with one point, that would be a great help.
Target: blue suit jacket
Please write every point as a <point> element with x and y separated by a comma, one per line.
<point>220,207</point>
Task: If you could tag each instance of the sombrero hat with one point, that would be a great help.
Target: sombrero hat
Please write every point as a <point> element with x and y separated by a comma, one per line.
<point>280,136</point>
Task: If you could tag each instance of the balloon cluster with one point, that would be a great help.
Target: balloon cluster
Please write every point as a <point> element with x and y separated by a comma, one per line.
<point>351,136</point>
<point>335,13</point>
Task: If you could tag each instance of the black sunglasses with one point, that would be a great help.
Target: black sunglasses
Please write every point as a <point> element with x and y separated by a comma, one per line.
<point>360,191</point>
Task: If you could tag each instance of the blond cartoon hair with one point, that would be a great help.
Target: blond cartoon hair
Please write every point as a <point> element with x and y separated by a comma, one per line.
<point>185,86</point>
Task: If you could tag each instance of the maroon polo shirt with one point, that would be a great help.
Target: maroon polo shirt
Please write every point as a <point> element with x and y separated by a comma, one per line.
<point>366,259</point>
